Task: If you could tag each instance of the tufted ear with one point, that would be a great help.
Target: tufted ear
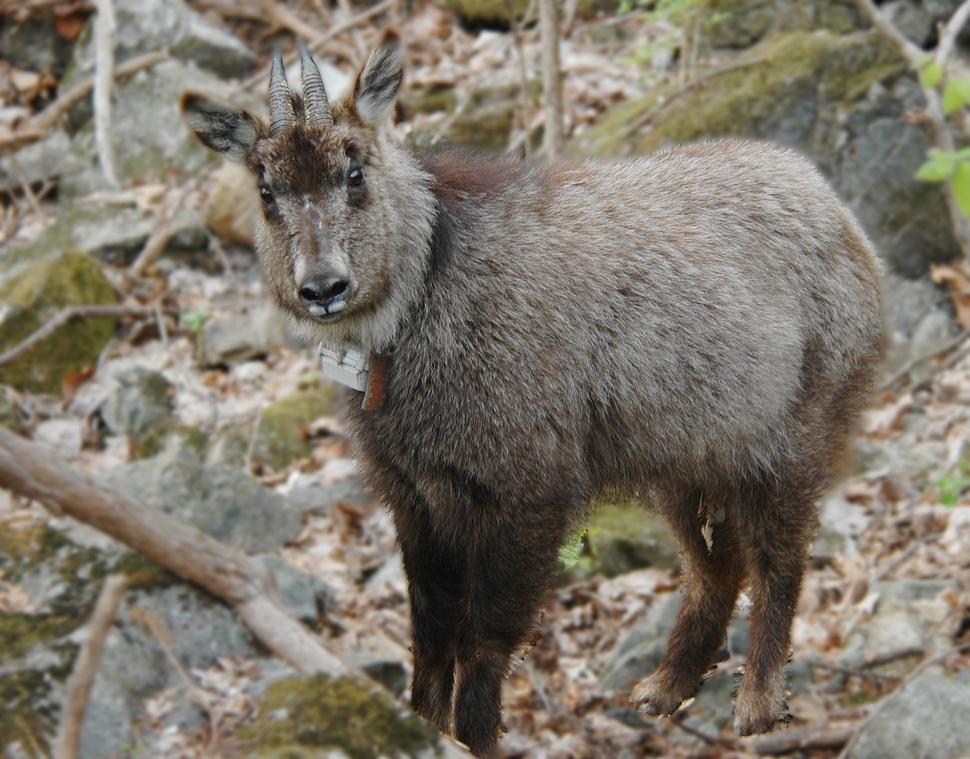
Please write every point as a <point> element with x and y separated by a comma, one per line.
<point>220,126</point>
<point>377,86</point>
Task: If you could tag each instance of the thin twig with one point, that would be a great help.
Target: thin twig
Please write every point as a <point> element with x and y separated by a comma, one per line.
<point>261,76</point>
<point>523,75</point>
<point>25,185</point>
<point>553,141</point>
<point>914,362</point>
<point>104,41</point>
<point>65,315</point>
<point>86,665</point>
<point>157,241</point>
<point>35,128</point>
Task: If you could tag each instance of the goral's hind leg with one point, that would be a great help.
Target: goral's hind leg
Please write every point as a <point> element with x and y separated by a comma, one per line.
<point>712,582</point>
<point>776,539</point>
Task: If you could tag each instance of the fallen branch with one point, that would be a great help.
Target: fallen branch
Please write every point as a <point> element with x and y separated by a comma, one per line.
<point>65,315</point>
<point>802,739</point>
<point>914,362</point>
<point>86,666</point>
<point>33,471</point>
<point>35,128</point>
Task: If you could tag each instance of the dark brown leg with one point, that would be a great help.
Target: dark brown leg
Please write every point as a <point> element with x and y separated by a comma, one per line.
<point>776,545</point>
<point>713,580</point>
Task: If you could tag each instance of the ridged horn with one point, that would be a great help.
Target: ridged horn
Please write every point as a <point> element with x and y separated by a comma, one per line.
<point>281,114</point>
<point>315,103</point>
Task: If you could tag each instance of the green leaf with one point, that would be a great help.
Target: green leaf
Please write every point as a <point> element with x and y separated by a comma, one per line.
<point>938,168</point>
<point>956,94</point>
<point>961,187</point>
<point>930,75</point>
<point>923,60</point>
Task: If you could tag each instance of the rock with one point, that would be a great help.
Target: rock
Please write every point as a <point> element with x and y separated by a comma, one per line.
<point>624,536</point>
<point>387,661</point>
<point>280,433</point>
<point>10,414</point>
<point>929,718</point>
<point>640,651</point>
<point>907,614</point>
<point>918,19</point>
<point>148,135</point>
<point>34,295</point>
<point>297,590</point>
<point>221,501</point>
<point>112,234</point>
<point>34,44</point>
<point>316,498</point>
<point>167,435</point>
<point>145,26</point>
<point>244,337</point>
<point>917,319</point>
<point>143,399</point>
<point>485,14</point>
<point>840,100</point>
<point>304,717</point>
<point>233,204</point>
<point>742,23</point>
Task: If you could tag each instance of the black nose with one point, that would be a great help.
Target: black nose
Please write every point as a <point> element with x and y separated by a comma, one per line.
<point>325,293</point>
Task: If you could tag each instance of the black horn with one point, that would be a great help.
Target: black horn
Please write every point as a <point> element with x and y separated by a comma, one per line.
<point>315,103</point>
<point>281,114</point>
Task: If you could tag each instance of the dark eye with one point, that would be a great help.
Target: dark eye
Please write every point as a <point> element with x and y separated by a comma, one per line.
<point>266,195</point>
<point>356,177</point>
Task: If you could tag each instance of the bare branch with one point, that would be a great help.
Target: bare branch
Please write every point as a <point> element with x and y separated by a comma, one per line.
<point>952,29</point>
<point>157,241</point>
<point>104,40</point>
<point>86,666</point>
<point>35,128</point>
<point>553,138</point>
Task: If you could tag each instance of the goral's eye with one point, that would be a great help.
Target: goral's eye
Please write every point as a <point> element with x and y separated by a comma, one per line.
<point>266,195</point>
<point>356,177</point>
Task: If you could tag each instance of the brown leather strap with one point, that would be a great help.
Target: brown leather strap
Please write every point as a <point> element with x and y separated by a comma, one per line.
<point>376,384</point>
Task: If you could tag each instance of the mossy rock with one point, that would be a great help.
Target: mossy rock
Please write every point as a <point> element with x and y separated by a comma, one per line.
<point>742,23</point>
<point>168,434</point>
<point>624,536</point>
<point>302,718</point>
<point>10,416</point>
<point>486,14</point>
<point>487,120</point>
<point>777,90</point>
<point>36,294</point>
<point>280,433</point>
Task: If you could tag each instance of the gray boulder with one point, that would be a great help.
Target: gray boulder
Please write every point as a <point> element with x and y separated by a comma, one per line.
<point>221,501</point>
<point>143,399</point>
<point>929,718</point>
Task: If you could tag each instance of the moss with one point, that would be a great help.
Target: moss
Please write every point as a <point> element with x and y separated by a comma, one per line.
<point>790,77</point>
<point>28,719</point>
<point>281,434</point>
<point>33,297</point>
<point>623,536</point>
<point>168,433</point>
<point>318,713</point>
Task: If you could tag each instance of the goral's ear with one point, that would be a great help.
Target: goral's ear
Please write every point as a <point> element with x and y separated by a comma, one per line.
<point>377,86</point>
<point>222,128</point>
